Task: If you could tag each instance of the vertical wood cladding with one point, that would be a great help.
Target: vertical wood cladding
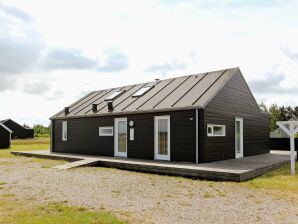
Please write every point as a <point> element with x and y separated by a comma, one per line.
<point>4,138</point>
<point>235,100</point>
<point>83,136</point>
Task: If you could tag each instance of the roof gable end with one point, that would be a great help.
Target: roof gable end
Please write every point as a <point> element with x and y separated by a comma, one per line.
<point>6,128</point>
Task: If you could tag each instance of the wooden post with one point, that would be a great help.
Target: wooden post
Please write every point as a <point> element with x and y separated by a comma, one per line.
<point>291,130</point>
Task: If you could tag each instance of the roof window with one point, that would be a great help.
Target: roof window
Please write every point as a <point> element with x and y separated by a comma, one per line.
<point>114,95</point>
<point>142,91</point>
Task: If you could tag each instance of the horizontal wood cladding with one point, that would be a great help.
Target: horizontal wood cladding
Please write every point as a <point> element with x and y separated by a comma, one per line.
<point>235,100</point>
<point>83,137</point>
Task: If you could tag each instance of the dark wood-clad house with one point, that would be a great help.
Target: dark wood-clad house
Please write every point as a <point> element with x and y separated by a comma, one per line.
<point>5,136</point>
<point>196,118</point>
<point>18,131</point>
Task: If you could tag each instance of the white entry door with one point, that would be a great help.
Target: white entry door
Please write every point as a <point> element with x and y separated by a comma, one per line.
<point>120,137</point>
<point>162,138</point>
<point>238,137</point>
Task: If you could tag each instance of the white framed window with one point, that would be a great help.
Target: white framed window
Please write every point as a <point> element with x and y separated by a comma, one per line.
<point>106,131</point>
<point>216,130</point>
<point>64,130</point>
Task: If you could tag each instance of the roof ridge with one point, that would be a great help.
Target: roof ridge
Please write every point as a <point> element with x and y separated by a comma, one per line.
<point>173,77</point>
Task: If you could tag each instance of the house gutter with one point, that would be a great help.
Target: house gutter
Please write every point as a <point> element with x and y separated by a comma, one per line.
<point>197,136</point>
<point>52,136</point>
<point>118,113</point>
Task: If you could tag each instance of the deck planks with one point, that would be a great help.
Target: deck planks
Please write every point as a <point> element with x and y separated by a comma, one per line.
<point>228,170</point>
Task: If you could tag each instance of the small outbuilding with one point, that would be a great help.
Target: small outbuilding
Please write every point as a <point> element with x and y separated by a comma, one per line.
<point>18,131</point>
<point>5,136</point>
<point>195,118</point>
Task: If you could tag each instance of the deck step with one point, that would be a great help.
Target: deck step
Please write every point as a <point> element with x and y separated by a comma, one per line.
<point>79,163</point>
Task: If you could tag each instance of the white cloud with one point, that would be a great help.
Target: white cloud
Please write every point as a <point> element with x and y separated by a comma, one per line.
<point>199,35</point>
<point>165,68</point>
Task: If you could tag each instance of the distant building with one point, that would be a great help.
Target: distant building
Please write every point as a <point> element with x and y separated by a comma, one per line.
<point>5,136</point>
<point>18,131</point>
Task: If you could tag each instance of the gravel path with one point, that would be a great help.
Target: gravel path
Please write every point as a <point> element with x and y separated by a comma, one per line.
<point>145,198</point>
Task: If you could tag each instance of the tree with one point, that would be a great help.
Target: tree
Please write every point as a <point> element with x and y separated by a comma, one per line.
<point>26,126</point>
<point>296,111</point>
<point>263,107</point>
<point>41,131</point>
<point>275,115</point>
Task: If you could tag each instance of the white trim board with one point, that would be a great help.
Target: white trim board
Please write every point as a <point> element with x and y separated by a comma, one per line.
<point>6,128</point>
<point>156,155</point>
<point>116,152</point>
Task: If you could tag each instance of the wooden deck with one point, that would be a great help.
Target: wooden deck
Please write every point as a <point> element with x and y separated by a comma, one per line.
<point>228,170</point>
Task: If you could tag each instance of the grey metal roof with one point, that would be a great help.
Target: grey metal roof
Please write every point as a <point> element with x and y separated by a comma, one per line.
<point>186,92</point>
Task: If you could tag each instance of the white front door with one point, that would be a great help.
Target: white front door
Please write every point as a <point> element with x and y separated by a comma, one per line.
<point>120,138</point>
<point>162,138</point>
<point>238,137</point>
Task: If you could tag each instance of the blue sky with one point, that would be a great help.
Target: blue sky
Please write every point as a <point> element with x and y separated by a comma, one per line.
<point>53,52</point>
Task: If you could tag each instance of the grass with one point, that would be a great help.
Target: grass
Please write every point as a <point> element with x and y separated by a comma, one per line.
<point>20,212</point>
<point>14,212</point>
<point>29,145</point>
<point>280,180</point>
<point>35,141</point>
<point>208,195</point>
<point>25,145</point>
<point>222,193</point>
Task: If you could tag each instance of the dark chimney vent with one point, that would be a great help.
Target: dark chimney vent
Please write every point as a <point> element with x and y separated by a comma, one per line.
<point>94,108</point>
<point>110,106</point>
<point>66,110</point>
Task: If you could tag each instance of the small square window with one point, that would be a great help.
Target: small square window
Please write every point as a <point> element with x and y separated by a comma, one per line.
<point>106,131</point>
<point>215,130</point>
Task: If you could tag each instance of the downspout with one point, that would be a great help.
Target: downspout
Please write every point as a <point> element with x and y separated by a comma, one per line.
<point>52,136</point>
<point>197,136</point>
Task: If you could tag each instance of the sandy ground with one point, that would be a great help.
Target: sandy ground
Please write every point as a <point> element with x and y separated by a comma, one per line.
<point>145,198</point>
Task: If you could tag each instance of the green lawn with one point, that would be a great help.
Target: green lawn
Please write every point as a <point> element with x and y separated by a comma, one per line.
<point>29,145</point>
<point>280,180</point>
<point>22,212</point>
<point>25,145</point>
<point>13,212</point>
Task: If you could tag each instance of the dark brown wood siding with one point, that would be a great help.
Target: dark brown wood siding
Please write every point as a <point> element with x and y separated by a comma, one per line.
<point>83,136</point>
<point>235,100</point>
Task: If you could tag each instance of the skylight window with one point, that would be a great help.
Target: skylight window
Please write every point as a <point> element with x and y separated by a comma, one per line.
<point>142,91</point>
<point>114,95</point>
